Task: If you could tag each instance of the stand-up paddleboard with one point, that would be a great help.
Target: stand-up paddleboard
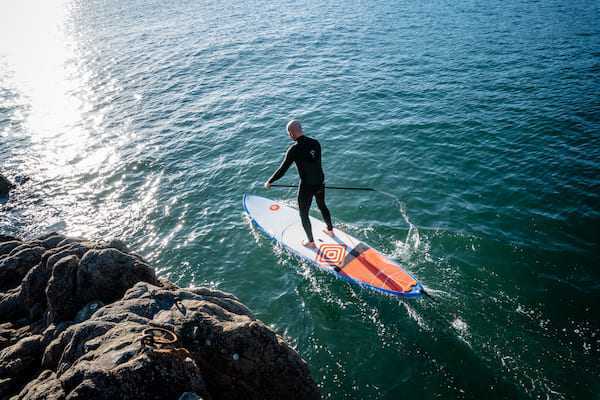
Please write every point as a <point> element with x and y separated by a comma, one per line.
<point>343,255</point>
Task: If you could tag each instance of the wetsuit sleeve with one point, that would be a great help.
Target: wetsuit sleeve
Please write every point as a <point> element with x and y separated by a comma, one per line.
<point>287,161</point>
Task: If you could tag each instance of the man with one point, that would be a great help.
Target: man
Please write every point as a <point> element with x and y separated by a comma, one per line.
<point>306,153</point>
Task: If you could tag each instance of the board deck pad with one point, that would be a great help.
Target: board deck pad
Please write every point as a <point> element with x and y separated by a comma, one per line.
<point>342,255</point>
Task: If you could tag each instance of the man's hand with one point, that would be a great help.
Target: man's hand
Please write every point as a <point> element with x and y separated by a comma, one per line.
<point>267,185</point>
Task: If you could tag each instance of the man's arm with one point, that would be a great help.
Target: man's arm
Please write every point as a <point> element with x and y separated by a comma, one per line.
<point>287,161</point>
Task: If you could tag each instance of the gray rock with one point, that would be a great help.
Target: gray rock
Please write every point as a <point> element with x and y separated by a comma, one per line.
<point>60,292</point>
<point>11,333</point>
<point>25,245</point>
<point>69,240</point>
<point>6,386</point>
<point>52,256</point>
<point>86,350</point>
<point>87,311</point>
<point>52,241</point>
<point>21,179</point>
<point>47,235</point>
<point>45,387</point>
<point>5,185</point>
<point>7,238</point>
<point>115,244</point>
<point>33,285</point>
<point>8,246</point>
<point>14,267</point>
<point>11,306</point>
<point>52,332</point>
<point>106,274</point>
<point>20,361</point>
<point>32,292</point>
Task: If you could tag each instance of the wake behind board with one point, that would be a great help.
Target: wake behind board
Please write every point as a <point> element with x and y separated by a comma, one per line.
<point>343,255</point>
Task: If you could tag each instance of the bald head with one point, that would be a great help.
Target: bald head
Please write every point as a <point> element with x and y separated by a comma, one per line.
<point>294,129</point>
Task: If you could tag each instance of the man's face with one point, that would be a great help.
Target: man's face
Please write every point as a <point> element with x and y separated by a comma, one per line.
<point>291,134</point>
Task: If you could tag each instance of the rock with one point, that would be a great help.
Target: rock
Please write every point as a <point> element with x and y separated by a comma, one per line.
<point>5,186</point>
<point>47,235</point>
<point>22,179</point>
<point>86,311</point>
<point>33,286</point>
<point>19,362</point>
<point>32,293</point>
<point>7,238</point>
<point>220,353</point>
<point>52,332</point>
<point>106,274</point>
<point>60,292</point>
<point>189,396</point>
<point>8,246</point>
<point>69,240</point>
<point>52,256</point>
<point>25,245</point>
<point>63,342</point>
<point>6,385</point>
<point>265,366</point>
<point>11,333</point>
<point>11,306</point>
<point>52,241</point>
<point>14,267</point>
<point>115,244</point>
<point>45,387</point>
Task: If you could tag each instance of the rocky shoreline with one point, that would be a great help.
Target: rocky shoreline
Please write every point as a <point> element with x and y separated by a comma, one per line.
<point>82,319</point>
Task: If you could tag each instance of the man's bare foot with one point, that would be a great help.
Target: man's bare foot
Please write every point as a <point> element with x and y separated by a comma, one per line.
<point>309,245</point>
<point>328,232</point>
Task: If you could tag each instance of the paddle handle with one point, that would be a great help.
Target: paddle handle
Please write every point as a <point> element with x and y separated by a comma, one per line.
<point>329,187</point>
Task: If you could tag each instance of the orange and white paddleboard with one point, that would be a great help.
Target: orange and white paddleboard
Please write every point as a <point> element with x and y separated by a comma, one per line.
<point>342,255</point>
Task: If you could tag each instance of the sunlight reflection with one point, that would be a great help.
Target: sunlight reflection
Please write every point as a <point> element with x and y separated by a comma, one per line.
<point>41,53</point>
<point>57,89</point>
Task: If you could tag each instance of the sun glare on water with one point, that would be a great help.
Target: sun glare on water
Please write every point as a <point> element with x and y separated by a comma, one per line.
<point>55,105</point>
<point>36,52</point>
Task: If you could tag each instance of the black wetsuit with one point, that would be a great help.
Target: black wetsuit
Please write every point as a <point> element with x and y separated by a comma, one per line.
<point>306,153</point>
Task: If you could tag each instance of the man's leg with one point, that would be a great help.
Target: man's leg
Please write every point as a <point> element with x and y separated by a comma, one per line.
<point>304,201</point>
<point>320,196</point>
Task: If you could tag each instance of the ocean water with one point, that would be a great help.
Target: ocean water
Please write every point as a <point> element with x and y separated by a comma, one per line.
<point>480,121</point>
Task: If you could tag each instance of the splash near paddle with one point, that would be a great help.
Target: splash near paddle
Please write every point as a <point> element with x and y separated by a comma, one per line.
<point>343,255</point>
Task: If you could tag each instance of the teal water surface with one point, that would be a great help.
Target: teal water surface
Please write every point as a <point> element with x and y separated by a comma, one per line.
<point>148,121</point>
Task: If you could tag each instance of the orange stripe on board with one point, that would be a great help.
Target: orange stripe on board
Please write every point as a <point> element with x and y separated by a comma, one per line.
<point>367,265</point>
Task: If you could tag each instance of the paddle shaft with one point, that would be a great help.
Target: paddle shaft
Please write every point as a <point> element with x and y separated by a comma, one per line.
<point>328,187</point>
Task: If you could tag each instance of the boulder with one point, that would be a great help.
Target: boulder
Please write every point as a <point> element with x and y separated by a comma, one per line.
<point>33,285</point>
<point>11,306</point>
<point>45,387</point>
<point>7,238</point>
<point>86,311</point>
<point>8,246</point>
<point>79,328</point>
<point>25,245</point>
<point>52,241</point>
<point>115,244</point>
<point>22,179</point>
<point>14,266</point>
<point>19,363</point>
<point>60,292</point>
<point>5,185</point>
<point>106,274</point>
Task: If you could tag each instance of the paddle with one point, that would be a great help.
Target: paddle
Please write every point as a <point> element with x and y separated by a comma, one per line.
<point>328,187</point>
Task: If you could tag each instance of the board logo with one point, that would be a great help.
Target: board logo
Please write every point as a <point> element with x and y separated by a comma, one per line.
<point>274,207</point>
<point>332,254</point>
